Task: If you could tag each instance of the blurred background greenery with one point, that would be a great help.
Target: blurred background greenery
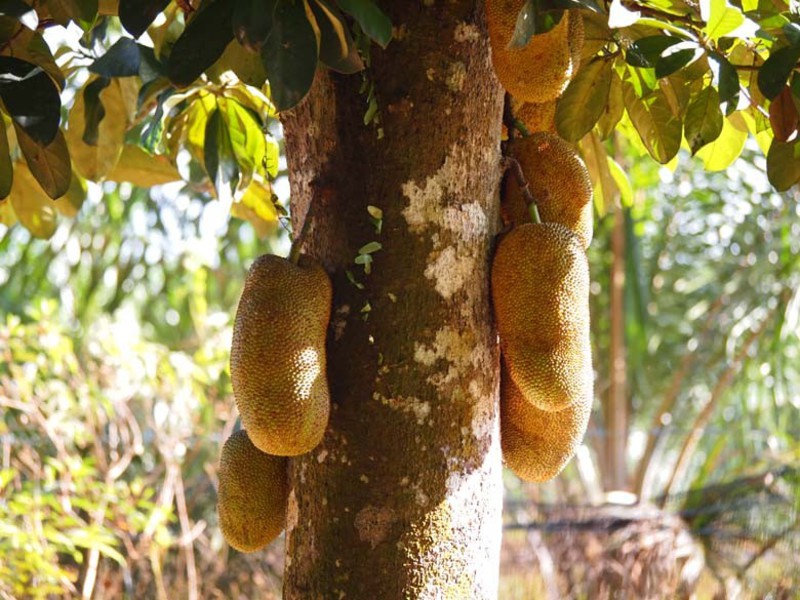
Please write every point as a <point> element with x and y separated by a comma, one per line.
<point>115,399</point>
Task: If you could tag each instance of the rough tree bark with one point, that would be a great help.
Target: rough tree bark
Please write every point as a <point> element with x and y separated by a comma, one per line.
<point>403,498</point>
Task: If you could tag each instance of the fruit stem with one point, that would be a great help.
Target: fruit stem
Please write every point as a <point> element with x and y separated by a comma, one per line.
<point>512,164</point>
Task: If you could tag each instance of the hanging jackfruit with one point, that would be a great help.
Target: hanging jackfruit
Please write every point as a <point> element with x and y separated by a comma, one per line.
<point>535,116</point>
<point>537,444</point>
<point>557,179</point>
<point>278,355</point>
<point>253,494</point>
<point>540,293</point>
<point>541,70</point>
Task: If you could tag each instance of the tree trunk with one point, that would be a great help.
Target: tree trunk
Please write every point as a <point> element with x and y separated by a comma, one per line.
<point>403,498</point>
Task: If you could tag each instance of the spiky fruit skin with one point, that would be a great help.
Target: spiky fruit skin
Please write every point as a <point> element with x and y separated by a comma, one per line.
<point>540,294</point>
<point>538,444</point>
<point>559,181</point>
<point>542,69</point>
<point>278,355</point>
<point>535,116</point>
<point>253,494</point>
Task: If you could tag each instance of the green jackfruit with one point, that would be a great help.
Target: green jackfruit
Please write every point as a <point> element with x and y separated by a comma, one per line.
<point>540,293</point>
<point>278,355</point>
<point>253,494</point>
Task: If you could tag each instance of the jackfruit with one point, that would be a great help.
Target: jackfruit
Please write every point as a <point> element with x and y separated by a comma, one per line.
<point>535,116</point>
<point>253,494</point>
<point>278,355</point>
<point>540,293</point>
<point>558,180</point>
<point>541,70</point>
<point>537,444</point>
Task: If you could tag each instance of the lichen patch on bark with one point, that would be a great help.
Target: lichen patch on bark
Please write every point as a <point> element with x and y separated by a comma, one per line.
<point>374,524</point>
<point>408,404</point>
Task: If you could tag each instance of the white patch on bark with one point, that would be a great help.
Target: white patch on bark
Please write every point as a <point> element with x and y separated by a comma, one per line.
<point>461,350</point>
<point>456,76</point>
<point>408,404</point>
<point>292,513</point>
<point>450,272</point>
<point>467,32</point>
<point>374,524</point>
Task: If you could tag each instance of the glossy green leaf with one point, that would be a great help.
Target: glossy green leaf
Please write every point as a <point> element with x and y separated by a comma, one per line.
<point>246,137</point>
<point>783,165</point>
<point>646,52</point>
<point>246,64</point>
<point>720,154</point>
<point>93,109</point>
<point>775,72</point>
<point>623,182</point>
<point>50,164</point>
<point>137,15</point>
<point>372,20</point>
<point>6,167</point>
<point>337,50</point>
<point>677,57</point>
<point>290,55</point>
<point>30,97</point>
<point>703,121</point>
<point>727,80</point>
<point>219,159</point>
<point>202,42</point>
<point>659,129</point>
<point>123,59</point>
<point>252,21</point>
<point>584,100</point>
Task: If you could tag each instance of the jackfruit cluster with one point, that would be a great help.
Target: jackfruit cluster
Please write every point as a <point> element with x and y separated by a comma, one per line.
<point>540,292</point>
<point>278,360</point>
<point>541,70</point>
<point>253,494</point>
<point>536,443</point>
<point>558,180</point>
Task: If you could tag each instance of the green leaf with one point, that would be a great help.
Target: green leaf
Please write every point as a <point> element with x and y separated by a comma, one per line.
<point>201,43</point>
<point>721,153</point>
<point>252,21</point>
<point>6,167</point>
<point>677,57</point>
<point>370,248</point>
<point>219,160</point>
<point>613,110</point>
<point>337,50</point>
<point>30,97</point>
<point>20,11</point>
<point>703,121</point>
<point>774,73</point>
<point>721,18</point>
<point>290,55</point>
<point>727,80</point>
<point>584,100</point>
<point>137,15</point>
<point>659,129</point>
<point>246,64</point>
<point>783,165</point>
<point>646,52</point>
<point>372,20</point>
<point>123,59</point>
<point>248,143</point>
<point>93,109</point>
<point>623,182</point>
<point>49,164</point>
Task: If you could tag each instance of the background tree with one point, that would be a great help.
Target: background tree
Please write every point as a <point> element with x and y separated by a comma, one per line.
<point>410,467</point>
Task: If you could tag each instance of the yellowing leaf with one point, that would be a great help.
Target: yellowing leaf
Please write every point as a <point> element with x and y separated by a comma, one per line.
<point>720,154</point>
<point>33,208</point>
<point>95,162</point>
<point>140,168</point>
<point>256,207</point>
